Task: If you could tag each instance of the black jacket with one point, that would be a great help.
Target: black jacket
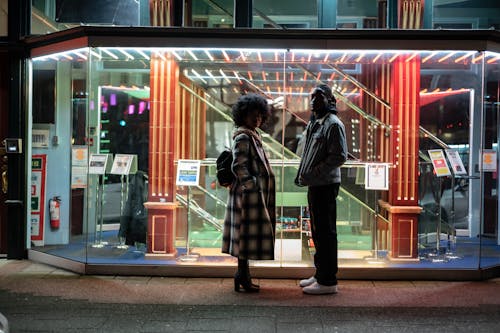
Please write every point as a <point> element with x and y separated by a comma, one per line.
<point>325,151</point>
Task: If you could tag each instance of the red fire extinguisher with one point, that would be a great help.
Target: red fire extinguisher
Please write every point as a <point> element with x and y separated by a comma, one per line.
<point>55,212</point>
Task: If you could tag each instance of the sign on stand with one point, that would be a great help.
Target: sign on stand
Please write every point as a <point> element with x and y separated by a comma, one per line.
<point>456,162</point>
<point>188,172</point>
<point>439,162</point>
<point>99,164</point>
<point>124,164</point>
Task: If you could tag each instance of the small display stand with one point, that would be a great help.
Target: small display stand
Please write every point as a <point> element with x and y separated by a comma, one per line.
<point>123,165</point>
<point>376,179</point>
<point>441,170</point>
<point>460,172</point>
<point>99,164</point>
<point>188,174</point>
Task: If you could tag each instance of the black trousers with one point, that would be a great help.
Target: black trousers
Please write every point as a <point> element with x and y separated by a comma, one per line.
<point>323,210</point>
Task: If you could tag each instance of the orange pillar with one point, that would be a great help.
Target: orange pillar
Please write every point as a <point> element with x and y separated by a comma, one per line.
<point>163,141</point>
<point>402,204</point>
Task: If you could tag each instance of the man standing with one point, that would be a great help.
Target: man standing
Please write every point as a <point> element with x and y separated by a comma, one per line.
<point>324,153</point>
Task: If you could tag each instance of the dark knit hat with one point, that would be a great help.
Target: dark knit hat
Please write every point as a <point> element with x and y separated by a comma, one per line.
<point>327,92</point>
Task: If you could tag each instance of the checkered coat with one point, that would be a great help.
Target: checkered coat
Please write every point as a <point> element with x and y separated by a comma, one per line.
<point>250,220</point>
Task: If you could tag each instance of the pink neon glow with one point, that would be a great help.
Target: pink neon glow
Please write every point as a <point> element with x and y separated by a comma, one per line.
<point>112,99</point>
<point>131,109</point>
<point>142,107</point>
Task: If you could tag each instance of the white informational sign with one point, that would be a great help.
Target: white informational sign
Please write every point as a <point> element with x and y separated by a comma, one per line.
<point>377,176</point>
<point>439,162</point>
<point>40,138</point>
<point>99,164</point>
<point>188,172</point>
<point>489,160</point>
<point>79,166</point>
<point>456,162</point>
<point>124,164</point>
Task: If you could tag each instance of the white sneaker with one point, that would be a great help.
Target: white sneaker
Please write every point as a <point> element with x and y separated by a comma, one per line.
<point>307,282</point>
<point>319,289</point>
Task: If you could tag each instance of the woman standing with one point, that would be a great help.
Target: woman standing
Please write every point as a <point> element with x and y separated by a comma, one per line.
<point>250,220</point>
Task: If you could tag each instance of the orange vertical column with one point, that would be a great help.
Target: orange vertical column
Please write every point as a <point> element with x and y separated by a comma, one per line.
<point>162,205</point>
<point>402,203</point>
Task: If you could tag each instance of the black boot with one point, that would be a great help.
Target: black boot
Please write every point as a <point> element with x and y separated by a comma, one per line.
<point>243,279</point>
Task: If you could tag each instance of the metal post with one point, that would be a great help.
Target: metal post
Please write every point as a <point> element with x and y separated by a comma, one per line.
<point>327,13</point>
<point>243,10</point>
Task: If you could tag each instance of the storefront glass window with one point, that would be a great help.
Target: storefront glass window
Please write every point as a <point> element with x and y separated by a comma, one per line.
<point>211,14</point>
<point>138,115</point>
<point>479,14</point>
<point>4,14</point>
<point>285,14</point>
<point>359,14</point>
<point>59,153</point>
<point>490,238</point>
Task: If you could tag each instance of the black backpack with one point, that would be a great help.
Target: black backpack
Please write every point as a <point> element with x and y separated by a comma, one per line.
<point>225,176</point>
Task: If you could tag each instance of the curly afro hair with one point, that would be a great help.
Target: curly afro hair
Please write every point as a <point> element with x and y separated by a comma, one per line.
<point>247,104</point>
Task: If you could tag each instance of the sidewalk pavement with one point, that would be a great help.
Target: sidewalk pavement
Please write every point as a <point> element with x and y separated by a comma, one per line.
<point>40,298</point>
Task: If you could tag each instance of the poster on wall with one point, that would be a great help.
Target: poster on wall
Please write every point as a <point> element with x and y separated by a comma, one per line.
<point>489,160</point>
<point>79,162</point>
<point>188,172</point>
<point>439,162</point>
<point>38,175</point>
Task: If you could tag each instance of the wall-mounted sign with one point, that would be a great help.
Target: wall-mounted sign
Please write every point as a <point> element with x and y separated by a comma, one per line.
<point>99,164</point>
<point>456,162</point>
<point>377,176</point>
<point>40,138</point>
<point>79,166</point>
<point>38,174</point>
<point>188,172</point>
<point>439,162</point>
<point>489,159</point>
<point>124,164</point>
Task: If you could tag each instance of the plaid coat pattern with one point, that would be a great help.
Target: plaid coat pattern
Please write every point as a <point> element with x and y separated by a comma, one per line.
<point>250,219</point>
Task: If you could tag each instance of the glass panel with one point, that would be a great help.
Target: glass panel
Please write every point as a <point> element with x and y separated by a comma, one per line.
<point>344,72</point>
<point>59,154</point>
<point>293,14</point>
<point>51,15</point>
<point>4,17</point>
<point>450,88</point>
<point>358,14</point>
<point>490,238</point>
<point>212,13</point>
<point>479,14</point>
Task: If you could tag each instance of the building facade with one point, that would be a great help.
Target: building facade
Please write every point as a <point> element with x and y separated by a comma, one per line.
<point>113,128</point>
